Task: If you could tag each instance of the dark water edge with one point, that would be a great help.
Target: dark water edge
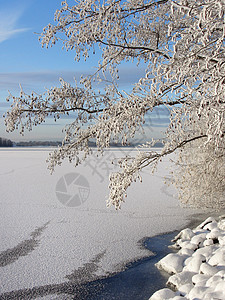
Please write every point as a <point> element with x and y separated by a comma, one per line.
<point>140,280</point>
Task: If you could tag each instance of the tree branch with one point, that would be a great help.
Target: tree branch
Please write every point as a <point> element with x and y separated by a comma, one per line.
<point>134,48</point>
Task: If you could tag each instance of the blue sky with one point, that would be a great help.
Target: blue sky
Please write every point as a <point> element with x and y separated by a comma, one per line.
<point>23,61</point>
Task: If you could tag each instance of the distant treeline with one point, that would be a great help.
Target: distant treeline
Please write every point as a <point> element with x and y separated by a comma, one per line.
<point>38,144</point>
<point>5,143</point>
<point>9,143</point>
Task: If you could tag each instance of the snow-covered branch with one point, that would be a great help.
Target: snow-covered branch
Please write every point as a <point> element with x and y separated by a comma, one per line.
<point>181,45</point>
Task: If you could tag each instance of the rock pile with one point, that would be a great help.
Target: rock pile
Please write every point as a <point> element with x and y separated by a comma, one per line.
<point>198,268</point>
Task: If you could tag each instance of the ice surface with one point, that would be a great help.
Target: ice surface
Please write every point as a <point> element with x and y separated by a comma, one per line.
<point>47,241</point>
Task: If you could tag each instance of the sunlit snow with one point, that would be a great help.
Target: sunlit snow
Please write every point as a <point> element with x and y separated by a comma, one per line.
<point>44,240</point>
<point>198,268</point>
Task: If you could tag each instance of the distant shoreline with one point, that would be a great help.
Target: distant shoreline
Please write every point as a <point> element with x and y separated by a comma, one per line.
<point>93,145</point>
<point>5,143</point>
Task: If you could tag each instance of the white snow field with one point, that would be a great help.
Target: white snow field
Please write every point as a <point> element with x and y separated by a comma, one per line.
<point>198,268</point>
<point>47,234</point>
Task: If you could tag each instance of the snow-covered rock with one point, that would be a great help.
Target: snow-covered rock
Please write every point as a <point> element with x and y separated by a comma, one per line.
<point>180,279</point>
<point>213,295</point>
<point>205,223</point>
<point>186,251</point>
<point>199,239</point>
<point>206,251</point>
<point>200,279</point>
<point>185,234</point>
<point>194,263</point>
<point>221,223</point>
<point>185,289</point>
<point>214,280</point>
<point>198,292</point>
<point>198,266</point>
<point>218,257</point>
<point>163,294</point>
<point>188,245</point>
<point>208,243</point>
<point>172,263</point>
<point>207,269</point>
<point>221,240</point>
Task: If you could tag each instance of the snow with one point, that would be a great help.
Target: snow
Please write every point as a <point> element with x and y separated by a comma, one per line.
<point>44,242</point>
<point>202,274</point>
<point>163,294</point>
<point>172,263</point>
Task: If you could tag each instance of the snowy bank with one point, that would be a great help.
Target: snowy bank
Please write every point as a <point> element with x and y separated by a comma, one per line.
<point>198,268</point>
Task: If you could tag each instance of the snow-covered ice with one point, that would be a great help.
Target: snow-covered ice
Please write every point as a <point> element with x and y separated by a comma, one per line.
<point>201,275</point>
<point>44,241</point>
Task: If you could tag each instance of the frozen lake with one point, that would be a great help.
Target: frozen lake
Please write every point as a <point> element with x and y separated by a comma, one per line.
<point>56,228</point>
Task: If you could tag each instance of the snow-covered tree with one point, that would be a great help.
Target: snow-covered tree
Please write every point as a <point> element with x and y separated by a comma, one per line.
<point>181,44</point>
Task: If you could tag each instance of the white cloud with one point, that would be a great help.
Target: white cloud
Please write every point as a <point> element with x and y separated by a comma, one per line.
<point>8,23</point>
<point>11,80</point>
<point>36,79</point>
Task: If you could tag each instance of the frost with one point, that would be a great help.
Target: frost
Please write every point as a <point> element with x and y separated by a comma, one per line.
<point>181,44</point>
